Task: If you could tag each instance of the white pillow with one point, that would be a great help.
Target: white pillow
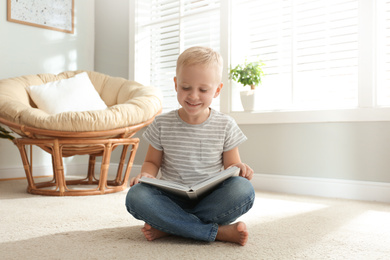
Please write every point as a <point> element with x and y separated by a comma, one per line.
<point>73,94</point>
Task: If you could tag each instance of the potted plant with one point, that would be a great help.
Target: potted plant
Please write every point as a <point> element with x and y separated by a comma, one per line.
<point>248,74</point>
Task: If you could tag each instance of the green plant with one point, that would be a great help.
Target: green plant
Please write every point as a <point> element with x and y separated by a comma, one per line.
<point>5,134</point>
<point>248,74</point>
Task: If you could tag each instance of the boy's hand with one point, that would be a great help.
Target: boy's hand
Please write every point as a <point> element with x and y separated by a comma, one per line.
<point>246,171</point>
<point>135,180</point>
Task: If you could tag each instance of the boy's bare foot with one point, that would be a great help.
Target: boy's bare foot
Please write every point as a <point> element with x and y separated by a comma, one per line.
<point>151,233</point>
<point>236,233</point>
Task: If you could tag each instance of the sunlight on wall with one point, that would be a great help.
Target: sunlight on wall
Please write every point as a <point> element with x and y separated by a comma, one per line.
<point>67,60</point>
<point>61,62</point>
<point>54,64</point>
<point>72,60</point>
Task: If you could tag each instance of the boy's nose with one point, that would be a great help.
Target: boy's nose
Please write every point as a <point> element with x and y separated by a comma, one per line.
<point>193,95</point>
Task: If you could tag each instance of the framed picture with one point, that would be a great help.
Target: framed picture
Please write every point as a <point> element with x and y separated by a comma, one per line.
<point>55,15</point>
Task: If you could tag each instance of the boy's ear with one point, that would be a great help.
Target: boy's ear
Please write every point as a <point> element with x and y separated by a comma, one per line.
<point>218,90</point>
<point>175,80</point>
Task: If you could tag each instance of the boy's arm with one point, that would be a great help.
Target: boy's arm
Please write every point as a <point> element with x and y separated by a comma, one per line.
<point>232,158</point>
<point>150,166</point>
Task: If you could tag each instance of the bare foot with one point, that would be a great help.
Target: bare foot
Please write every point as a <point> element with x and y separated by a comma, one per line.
<point>151,233</point>
<point>236,233</point>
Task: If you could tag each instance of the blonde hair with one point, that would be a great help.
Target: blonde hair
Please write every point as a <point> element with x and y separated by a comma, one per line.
<point>200,56</point>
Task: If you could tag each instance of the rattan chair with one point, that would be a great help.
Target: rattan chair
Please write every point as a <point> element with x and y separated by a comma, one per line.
<point>130,107</point>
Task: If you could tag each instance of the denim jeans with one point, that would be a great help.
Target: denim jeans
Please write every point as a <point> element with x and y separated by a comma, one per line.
<point>183,217</point>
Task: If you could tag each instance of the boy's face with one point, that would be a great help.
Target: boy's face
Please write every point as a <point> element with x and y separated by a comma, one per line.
<point>196,86</point>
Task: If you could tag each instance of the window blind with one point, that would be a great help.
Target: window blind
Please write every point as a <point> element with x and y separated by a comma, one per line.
<point>310,50</point>
<point>165,28</point>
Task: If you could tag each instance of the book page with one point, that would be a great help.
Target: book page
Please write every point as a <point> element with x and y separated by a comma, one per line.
<point>163,183</point>
<point>219,177</point>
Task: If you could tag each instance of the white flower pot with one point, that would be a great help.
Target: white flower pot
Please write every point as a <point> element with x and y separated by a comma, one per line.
<point>248,100</point>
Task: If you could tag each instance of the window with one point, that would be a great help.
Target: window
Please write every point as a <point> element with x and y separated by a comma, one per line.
<point>383,53</point>
<point>310,51</point>
<point>328,57</point>
<point>165,29</point>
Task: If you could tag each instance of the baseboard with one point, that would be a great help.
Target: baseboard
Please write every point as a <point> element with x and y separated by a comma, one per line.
<point>330,188</point>
<point>18,172</point>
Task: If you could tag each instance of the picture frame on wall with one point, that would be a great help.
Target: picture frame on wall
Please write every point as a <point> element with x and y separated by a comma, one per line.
<point>55,15</point>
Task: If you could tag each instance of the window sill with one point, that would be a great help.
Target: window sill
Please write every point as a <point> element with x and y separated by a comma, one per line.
<point>316,116</point>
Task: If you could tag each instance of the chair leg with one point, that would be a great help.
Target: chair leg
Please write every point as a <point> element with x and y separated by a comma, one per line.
<point>118,178</point>
<point>59,167</point>
<point>26,164</point>
<point>130,161</point>
<point>91,169</point>
<point>123,172</point>
<point>104,167</point>
<point>54,169</point>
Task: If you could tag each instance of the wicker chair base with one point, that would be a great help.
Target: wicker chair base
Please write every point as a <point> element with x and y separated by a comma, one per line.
<point>59,148</point>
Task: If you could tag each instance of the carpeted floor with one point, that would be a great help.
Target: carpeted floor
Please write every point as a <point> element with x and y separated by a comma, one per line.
<point>98,227</point>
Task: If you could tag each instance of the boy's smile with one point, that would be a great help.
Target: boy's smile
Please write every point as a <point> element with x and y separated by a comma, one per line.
<point>196,86</point>
<point>194,105</point>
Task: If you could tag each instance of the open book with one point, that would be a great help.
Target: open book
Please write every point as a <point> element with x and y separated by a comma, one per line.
<point>196,190</point>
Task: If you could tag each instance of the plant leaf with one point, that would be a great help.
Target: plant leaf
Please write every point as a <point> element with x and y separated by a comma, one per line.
<point>248,74</point>
<point>5,134</point>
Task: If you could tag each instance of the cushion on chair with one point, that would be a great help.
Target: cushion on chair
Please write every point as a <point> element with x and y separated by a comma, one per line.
<point>75,94</point>
<point>129,103</point>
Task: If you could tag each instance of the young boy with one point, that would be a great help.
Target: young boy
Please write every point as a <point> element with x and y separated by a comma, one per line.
<point>188,145</point>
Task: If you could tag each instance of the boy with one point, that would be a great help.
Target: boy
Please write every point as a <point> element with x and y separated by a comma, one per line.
<point>188,145</point>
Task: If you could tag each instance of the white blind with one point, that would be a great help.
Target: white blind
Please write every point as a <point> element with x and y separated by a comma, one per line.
<point>165,28</point>
<point>310,50</point>
<point>383,53</point>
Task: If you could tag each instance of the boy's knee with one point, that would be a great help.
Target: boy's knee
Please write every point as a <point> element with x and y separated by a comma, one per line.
<point>134,195</point>
<point>233,199</point>
<point>242,186</point>
<point>242,191</point>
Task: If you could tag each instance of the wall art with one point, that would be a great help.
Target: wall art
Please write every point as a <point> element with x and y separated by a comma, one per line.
<point>49,14</point>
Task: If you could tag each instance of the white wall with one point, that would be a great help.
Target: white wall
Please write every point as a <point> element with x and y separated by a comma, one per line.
<point>112,37</point>
<point>30,50</point>
<point>358,151</point>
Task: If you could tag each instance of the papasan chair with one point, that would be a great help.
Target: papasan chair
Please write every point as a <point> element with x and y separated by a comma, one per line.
<point>94,122</point>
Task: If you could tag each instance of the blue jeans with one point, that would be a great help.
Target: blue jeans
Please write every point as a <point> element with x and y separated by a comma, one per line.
<point>188,218</point>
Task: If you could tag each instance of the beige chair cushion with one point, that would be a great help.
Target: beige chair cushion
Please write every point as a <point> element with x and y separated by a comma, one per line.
<point>129,103</point>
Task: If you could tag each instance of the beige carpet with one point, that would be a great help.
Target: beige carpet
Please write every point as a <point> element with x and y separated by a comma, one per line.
<point>98,227</point>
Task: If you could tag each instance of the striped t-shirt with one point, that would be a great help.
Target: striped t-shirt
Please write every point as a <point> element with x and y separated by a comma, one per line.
<point>192,152</point>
